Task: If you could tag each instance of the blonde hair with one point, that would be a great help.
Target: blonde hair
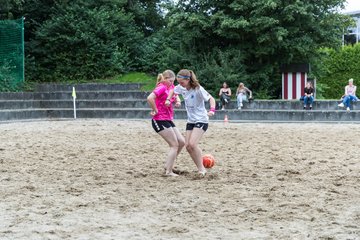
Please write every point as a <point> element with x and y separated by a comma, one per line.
<point>241,86</point>
<point>161,77</point>
<point>194,83</point>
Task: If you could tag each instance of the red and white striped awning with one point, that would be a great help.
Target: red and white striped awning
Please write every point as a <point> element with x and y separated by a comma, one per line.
<point>293,84</point>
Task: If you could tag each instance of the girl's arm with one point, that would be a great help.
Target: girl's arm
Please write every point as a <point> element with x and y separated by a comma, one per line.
<point>151,101</point>
<point>212,106</point>
<point>178,101</point>
<point>171,94</point>
<point>249,91</point>
<point>229,91</point>
<point>220,92</point>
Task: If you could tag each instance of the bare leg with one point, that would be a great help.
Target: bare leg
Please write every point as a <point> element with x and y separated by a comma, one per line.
<point>171,138</point>
<point>181,142</point>
<point>192,146</point>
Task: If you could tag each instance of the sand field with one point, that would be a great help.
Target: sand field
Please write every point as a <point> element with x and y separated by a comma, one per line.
<point>103,179</point>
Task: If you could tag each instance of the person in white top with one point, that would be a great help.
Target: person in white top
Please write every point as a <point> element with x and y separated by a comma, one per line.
<point>350,95</point>
<point>197,116</point>
<point>241,94</point>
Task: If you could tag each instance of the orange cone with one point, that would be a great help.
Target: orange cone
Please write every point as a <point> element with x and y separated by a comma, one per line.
<point>226,118</point>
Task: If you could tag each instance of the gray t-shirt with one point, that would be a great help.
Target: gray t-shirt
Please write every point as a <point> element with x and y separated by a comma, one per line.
<point>194,103</point>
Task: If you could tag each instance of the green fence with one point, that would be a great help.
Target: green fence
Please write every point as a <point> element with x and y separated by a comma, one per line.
<point>11,54</point>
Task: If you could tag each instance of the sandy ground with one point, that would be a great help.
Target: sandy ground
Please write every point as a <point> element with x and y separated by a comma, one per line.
<point>103,179</point>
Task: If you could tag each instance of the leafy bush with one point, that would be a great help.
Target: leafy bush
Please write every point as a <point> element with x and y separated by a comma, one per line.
<point>84,42</point>
<point>335,67</point>
<point>8,79</point>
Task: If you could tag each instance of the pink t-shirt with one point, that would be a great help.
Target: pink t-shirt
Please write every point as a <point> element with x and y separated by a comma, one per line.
<point>350,90</point>
<point>164,112</point>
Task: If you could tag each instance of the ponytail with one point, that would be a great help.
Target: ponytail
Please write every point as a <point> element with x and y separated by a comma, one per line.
<point>160,78</point>
<point>194,83</point>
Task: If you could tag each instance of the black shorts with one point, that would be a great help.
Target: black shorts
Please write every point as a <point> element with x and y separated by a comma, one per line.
<point>191,126</point>
<point>159,125</point>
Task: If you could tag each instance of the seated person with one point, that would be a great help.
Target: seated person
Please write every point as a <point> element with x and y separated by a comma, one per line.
<point>350,95</point>
<point>224,94</point>
<point>241,95</point>
<point>308,95</point>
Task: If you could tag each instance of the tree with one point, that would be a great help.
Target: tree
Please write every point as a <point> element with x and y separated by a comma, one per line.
<point>147,15</point>
<point>267,33</point>
<point>8,7</point>
<point>84,40</point>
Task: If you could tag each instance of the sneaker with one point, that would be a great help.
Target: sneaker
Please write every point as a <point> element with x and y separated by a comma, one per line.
<point>241,105</point>
<point>202,173</point>
<point>222,108</point>
<point>239,108</point>
<point>348,109</point>
<point>341,105</point>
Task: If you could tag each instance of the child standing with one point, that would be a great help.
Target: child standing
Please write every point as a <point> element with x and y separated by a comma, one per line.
<point>197,117</point>
<point>163,115</point>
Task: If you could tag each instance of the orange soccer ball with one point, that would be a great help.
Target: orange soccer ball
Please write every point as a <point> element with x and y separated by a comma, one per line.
<point>208,160</point>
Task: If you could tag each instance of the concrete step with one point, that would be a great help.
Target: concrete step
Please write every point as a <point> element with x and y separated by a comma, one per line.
<point>127,101</point>
<point>53,87</point>
<point>142,103</point>
<point>53,104</point>
<point>143,113</point>
<point>286,105</point>
<point>93,95</point>
<point>19,104</point>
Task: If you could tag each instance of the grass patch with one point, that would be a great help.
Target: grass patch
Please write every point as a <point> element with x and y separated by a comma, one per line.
<point>147,80</point>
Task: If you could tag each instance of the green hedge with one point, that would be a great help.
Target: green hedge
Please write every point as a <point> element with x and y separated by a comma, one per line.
<point>335,67</point>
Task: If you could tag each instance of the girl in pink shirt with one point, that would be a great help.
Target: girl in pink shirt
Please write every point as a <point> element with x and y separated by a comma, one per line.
<point>162,118</point>
<point>350,95</point>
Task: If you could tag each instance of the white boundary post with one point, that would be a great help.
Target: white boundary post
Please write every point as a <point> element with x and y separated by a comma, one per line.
<point>74,97</point>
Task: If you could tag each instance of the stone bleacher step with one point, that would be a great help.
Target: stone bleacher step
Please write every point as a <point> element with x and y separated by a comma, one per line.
<point>53,87</point>
<point>92,95</point>
<point>54,101</point>
<point>143,113</point>
<point>142,103</point>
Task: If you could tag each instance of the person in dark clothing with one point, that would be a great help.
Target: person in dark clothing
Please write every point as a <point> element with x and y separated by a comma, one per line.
<point>224,94</point>
<point>308,95</point>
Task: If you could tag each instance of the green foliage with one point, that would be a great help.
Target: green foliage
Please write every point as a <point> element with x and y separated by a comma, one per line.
<point>82,41</point>
<point>335,67</point>
<point>229,40</point>
<point>221,66</point>
<point>321,89</point>
<point>8,8</point>
<point>9,79</point>
<point>266,33</point>
<point>147,15</point>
